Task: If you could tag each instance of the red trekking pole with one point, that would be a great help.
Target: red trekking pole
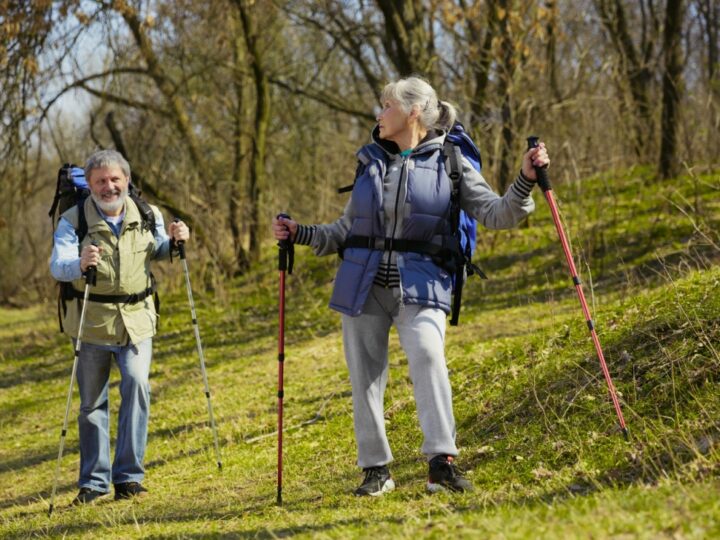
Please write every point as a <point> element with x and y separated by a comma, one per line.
<point>286,256</point>
<point>544,182</point>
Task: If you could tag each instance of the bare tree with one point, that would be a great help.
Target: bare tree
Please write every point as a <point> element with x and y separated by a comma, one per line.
<point>636,62</point>
<point>408,36</point>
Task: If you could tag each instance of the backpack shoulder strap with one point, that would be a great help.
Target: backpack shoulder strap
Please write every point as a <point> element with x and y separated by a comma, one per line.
<point>358,171</point>
<point>82,228</point>
<point>365,155</point>
<point>453,166</point>
<point>147,215</point>
<point>453,159</point>
<point>76,217</point>
<point>56,200</point>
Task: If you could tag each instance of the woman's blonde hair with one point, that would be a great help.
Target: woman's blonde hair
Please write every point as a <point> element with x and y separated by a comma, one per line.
<point>415,91</point>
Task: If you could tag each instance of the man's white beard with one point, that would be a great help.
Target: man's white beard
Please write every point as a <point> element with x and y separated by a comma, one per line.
<point>111,206</point>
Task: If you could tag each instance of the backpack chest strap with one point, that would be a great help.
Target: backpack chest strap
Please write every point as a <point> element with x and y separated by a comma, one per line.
<point>447,248</point>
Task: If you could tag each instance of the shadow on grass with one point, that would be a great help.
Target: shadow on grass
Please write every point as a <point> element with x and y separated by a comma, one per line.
<point>48,455</point>
<point>23,500</point>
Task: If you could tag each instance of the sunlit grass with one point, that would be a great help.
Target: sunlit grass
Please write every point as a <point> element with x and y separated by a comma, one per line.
<point>537,432</point>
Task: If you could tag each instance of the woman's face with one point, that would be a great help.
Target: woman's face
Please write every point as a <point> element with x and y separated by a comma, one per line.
<point>392,120</point>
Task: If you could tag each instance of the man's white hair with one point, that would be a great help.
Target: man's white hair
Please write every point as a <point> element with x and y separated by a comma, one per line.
<point>107,158</point>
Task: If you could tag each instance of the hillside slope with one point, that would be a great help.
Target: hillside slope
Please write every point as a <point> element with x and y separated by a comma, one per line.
<point>537,432</point>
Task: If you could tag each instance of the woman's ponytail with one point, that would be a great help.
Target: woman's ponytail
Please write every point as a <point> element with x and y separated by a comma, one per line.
<point>447,115</point>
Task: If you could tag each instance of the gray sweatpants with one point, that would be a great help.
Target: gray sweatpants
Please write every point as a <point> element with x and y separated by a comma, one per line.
<point>422,337</point>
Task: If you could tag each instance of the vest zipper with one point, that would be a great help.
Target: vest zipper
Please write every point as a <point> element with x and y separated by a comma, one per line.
<point>392,236</point>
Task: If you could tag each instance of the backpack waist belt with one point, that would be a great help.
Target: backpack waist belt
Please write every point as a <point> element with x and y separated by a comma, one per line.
<point>72,293</point>
<point>401,244</point>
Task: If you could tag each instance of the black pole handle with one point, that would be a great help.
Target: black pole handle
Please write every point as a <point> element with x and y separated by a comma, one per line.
<point>91,272</point>
<point>541,172</point>
<point>181,243</point>
<point>286,253</point>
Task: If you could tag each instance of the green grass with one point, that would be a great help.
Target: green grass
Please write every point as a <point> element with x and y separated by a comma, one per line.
<point>537,432</point>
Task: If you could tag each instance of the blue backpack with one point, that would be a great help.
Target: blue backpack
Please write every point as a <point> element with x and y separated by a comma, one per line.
<point>458,144</point>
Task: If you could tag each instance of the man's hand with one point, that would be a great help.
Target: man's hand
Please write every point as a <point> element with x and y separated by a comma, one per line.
<point>90,256</point>
<point>178,231</point>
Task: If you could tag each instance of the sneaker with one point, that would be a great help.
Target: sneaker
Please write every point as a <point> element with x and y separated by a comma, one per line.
<point>128,490</point>
<point>377,481</point>
<point>444,475</point>
<point>86,496</point>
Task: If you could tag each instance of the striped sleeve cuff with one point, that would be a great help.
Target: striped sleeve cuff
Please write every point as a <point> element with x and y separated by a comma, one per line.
<point>305,234</point>
<point>522,186</point>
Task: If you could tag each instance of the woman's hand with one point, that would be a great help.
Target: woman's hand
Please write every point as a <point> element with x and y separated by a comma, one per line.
<point>535,157</point>
<point>284,228</point>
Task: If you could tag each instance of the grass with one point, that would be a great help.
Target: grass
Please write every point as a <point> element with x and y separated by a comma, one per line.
<point>537,433</point>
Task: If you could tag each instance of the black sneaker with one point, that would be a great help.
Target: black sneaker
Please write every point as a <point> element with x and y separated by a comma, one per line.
<point>444,475</point>
<point>128,490</point>
<point>377,481</point>
<point>86,496</point>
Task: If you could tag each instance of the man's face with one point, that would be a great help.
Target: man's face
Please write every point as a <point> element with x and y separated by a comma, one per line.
<point>109,188</point>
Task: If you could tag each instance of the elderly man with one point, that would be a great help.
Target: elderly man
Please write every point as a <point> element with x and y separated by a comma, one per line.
<point>120,319</point>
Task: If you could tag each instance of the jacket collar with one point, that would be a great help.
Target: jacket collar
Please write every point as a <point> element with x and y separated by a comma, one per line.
<point>433,140</point>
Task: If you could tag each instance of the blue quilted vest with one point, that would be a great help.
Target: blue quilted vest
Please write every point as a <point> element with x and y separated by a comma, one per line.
<point>428,196</point>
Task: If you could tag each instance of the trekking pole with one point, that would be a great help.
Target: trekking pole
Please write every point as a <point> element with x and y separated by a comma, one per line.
<point>286,256</point>
<point>90,280</point>
<point>544,182</point>
<point>196,328</point>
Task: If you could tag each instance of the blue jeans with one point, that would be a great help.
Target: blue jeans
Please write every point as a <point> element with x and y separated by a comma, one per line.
<point>93,376</point>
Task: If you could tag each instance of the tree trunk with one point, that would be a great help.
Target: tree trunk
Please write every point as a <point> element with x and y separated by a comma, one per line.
<point>710,13</point>
<point>672,79</point>
<point>248,16</point>
<point>238,171</point>
<point>481,64</point>
<point>551,49</point>
<point>507,70</point>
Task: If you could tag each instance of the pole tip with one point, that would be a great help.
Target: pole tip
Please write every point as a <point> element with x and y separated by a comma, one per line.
<point>219,465</point>
<point>50,510</point>
<point>626,434</point>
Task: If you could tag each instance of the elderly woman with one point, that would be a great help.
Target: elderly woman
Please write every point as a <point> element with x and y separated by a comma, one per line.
<point>402,192</point>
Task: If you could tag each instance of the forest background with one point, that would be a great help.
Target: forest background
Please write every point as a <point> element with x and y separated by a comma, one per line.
<point>230,111</point>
